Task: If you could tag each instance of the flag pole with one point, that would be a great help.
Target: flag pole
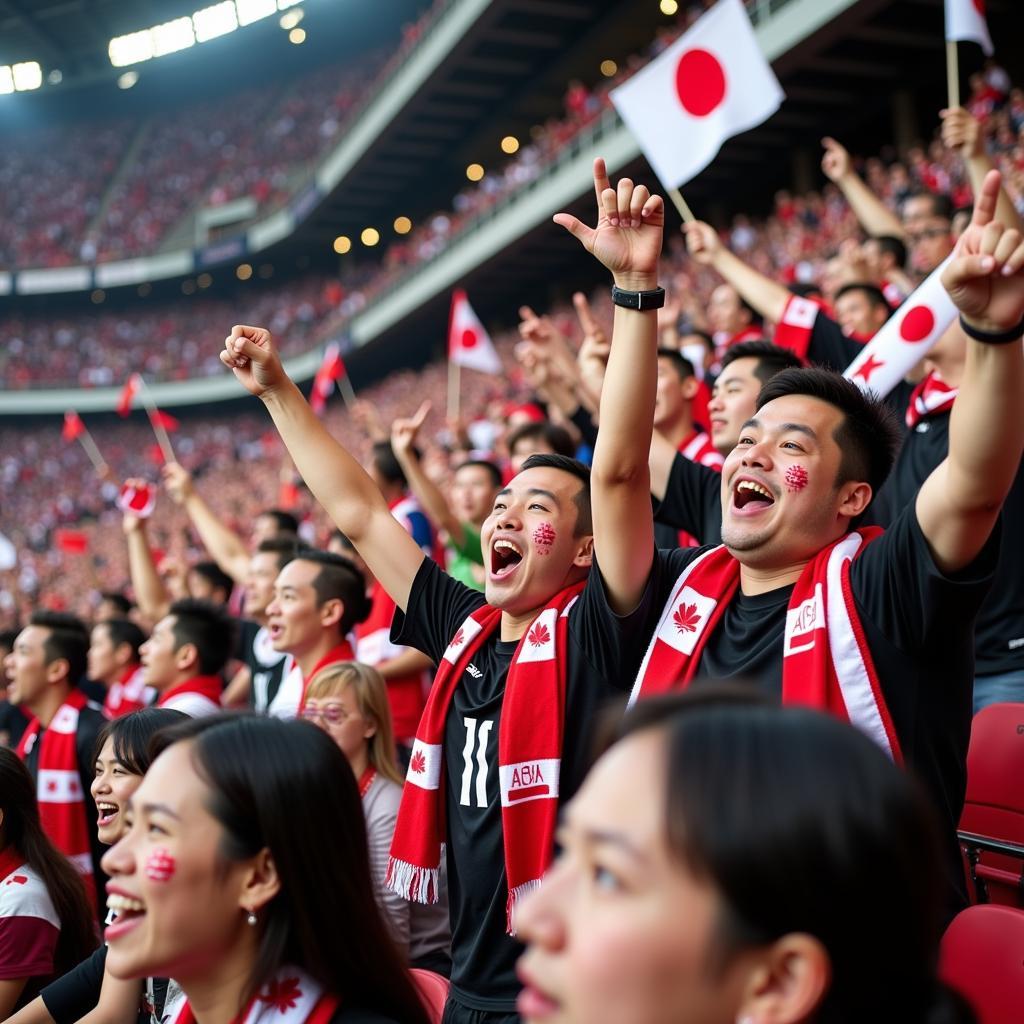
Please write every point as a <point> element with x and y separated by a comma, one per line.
<point>952,73</point>
<point>453,389</point>
<point>92,450</point>
<point>347,391</point>
<point>681,205</point>
<point>162,437</point>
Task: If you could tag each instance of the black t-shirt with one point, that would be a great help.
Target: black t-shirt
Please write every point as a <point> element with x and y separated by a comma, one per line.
<point>692,502</point>
<point>76,993</point>
<point>604,654</point>
<point>918,623</point>
<point>266,666</point>
<point>90,722</point>
<point>13,723</point>
<point>999,634</point>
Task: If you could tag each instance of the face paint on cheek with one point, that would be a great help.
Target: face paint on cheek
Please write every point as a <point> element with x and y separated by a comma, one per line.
<point>160,865</point>
<point>796,478</point>
<point>543,538</point>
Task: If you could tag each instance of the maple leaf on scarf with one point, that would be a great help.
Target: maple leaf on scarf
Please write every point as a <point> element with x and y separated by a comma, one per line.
<point>418,763</point>
<point>686,618</point>
<point>282,994</point>
<point>459,637</point>
<point>539,635</point>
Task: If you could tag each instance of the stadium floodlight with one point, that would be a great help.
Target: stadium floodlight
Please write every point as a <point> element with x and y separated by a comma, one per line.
<point>130,49</point>
<point>28,75</point>
<point>172,36</point>
<point>215,21</point>
<point>252,10</point>
<point>6,80</point>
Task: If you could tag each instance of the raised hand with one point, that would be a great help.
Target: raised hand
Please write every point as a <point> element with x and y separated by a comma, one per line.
<point>835,161</point>
<point>178,482</point>
<point>592,330</point>
<point>702,242</point>
<point>251,355</point>
<point>405,431</point>
<point>984,277</point>
<point>962,132</point>
<point>627,237</point>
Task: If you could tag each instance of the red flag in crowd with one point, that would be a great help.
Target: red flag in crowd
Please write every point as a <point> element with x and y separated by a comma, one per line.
<point>469,344</point>
<point>128,392</point>
<point>73,428</point>
<point>163,419</point>
<point>965,19</point>
<point>711,84</point>
<point>73,542</point>
<point>332,369</point>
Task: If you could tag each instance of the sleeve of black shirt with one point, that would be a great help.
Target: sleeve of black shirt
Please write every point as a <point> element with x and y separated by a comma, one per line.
<point>584,423</point>
<point>829,347</point>
<point>438,605</point>
<point>76,993</point>
<point>693,501</point>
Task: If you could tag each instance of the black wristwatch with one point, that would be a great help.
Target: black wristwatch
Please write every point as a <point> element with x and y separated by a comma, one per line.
<point>653,299</point>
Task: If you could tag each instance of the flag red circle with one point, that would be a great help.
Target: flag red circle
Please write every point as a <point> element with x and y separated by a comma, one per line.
<point>469,338</point>
<point>700,82</point>
<point>917,324</point>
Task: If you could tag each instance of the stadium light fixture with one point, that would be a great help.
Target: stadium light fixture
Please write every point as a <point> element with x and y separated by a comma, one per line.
<point>474,172</point>
<point>342,244</point>
<point>127,80</point>
<point>283,5</point>
<point>253,10</point>
<point>27,76</point>
<point>172,36</point>
<point>509,144</point>
<point>244,271</point>
<point>55,77</point>
<point>6,80</point>
<point>402,225</point>
<point>370,237</point>
<point>297,36</point>
<point>215,21</point>
<point>290,19</point>
<point>130,49</point>
<point>609,68</point>
<point>669,7</point>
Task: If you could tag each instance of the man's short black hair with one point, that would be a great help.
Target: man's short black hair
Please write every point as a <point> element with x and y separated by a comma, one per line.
<point>942,206</point>
<point>486,465</point>
<point>695,332</point>
<point>771,358</point>
<point>874,294</point>
<point>286,522</point>
<point>7,638</point>
<point>567,464</point>
<point>118,600</point>
<point>285,547</point>
<point>805,289</point>
<point>893,246</point>
<point>215,576</point>
<point>756,320</point>
<point>339,578</point>
<point>209,627</point>
<point>868,435</point>
<point>555,437</point>
<point>386,463</point>
<point>683,367</point>
<point>68,639</point>
<point>124,631</point>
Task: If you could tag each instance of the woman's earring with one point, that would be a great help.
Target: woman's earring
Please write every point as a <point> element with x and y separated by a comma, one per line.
<point>251,919</point>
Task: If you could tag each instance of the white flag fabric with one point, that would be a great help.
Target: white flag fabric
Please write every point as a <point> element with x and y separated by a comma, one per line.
<point>710,84</point>
<point>8,554</point>
<point>905,338</point>
<point>965,19</point>
<point>469,344</point>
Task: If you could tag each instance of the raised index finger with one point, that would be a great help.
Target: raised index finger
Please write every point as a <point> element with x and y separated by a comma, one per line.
<point>985,206</point>
<point>584,313</point>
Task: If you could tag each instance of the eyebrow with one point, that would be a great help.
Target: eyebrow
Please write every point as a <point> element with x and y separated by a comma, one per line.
<point>784,428</point>
<point>156,809</point>
<point>604,837</point>
<point>530,490</point>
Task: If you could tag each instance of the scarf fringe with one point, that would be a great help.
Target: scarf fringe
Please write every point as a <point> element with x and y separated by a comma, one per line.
<point>412,882</point>
<point>514,896</point>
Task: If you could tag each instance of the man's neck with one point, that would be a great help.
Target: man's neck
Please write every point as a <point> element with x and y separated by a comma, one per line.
<point>49,704</point>
<point>308,660</point>
<point>179,680</point>
<point>676,433</point>
<point>764,580</point>
<point>216,997</point>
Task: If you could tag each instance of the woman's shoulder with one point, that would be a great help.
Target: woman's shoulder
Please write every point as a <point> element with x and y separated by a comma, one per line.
<point>383,793</point>
<point>24,894</point>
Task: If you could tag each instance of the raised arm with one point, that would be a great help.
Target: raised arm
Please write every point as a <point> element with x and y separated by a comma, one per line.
<point>336,479</point>
<point>875,217</point>
<point>959,503</point>
<point>223,544</point>
<point>151,595</point>
<point>627,240</point>
<point>768,297</point>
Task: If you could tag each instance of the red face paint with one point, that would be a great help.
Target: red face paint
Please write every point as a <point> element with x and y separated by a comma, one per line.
<point>160,865</point>
<point>796,478</point>
<point>544,537</point>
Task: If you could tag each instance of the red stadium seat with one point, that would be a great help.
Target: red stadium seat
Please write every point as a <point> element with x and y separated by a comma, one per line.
<point>982,957</point>
<point>992,823</point>
<point>433,990</point>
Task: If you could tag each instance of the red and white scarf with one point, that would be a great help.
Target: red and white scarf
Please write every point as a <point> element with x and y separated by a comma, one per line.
<point>292,997</point>
<point>291,694</point>
<point>127,694</point>
<point>932,397</point>
<point>826,662</point>
<point>197,696</point>
<point>529,756</point>
<point>59,786</point>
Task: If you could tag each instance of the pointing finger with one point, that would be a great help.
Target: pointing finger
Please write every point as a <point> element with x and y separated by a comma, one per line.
<point>985,207</point>
<point>601,182</point>
<point>584,313</point>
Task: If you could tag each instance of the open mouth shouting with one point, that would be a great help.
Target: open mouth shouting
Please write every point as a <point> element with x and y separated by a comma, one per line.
<point>751,497</point>
<point>129,910</point>
<point>506,556</point>
<point>107,812</point>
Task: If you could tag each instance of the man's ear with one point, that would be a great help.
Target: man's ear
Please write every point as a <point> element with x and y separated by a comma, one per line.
<point>584,552</point>
<point>855,496</point>
<point>186,658</point>
<point>689,388</point>
<point>332,611</point>
<point>58,669</point>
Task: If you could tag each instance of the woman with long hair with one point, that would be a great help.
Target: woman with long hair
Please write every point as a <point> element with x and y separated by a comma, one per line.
<point>727,861</point>
<point>46,922</point>
<point>245,877</point>
<point>349,701</point>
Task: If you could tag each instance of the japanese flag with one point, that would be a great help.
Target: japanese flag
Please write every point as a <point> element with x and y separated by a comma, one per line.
<point>711,84</point>
<point>331,370</point>
<point>965,19</point>
<point>469,344</point>
<point>127,396</point>
<point>906,337</point>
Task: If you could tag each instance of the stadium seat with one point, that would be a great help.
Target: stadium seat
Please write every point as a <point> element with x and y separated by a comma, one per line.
<point>982,957</point>
<point>992,823</point>
<point>433,990</point>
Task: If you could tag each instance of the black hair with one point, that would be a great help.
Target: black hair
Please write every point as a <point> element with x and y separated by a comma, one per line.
<point>23,831</point>
<point>118,600</point>
<point>342,539</point>
<point>286,787</point>
<point>942,206</point>
<point>286,522</point>
<point>124,631</point>
<point>756,320</point>
<point>868,435</point>
<point>581,499</point>
<point>339,578</point>
<point>215,576</point>
<point>209,627</point>
<point>805,289</point>
<point>894,247</point>
<point>803,825</point>
<point>68,639</point>
<point>285,546</point>
<point>485,464</point>
<point>556,438</point>
<point>874,294</point>
<point>136,737</point>
<point>7,638</point>
<point>682,366</point>
<point>386,463</point>
<point>694,332</point>
<point>771,358</point>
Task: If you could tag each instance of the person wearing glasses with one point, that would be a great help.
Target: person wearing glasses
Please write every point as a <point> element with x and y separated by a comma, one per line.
<point>349,701</point>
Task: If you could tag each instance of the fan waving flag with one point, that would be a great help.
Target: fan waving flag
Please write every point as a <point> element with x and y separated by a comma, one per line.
<point>709,85</point>
<point>73,427</point>
<point>332,369</point>
<point>469,344</point>
<point>965,20</point>
<point>124,403</point>
<point>906,337</point>
<point>165,420</point>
